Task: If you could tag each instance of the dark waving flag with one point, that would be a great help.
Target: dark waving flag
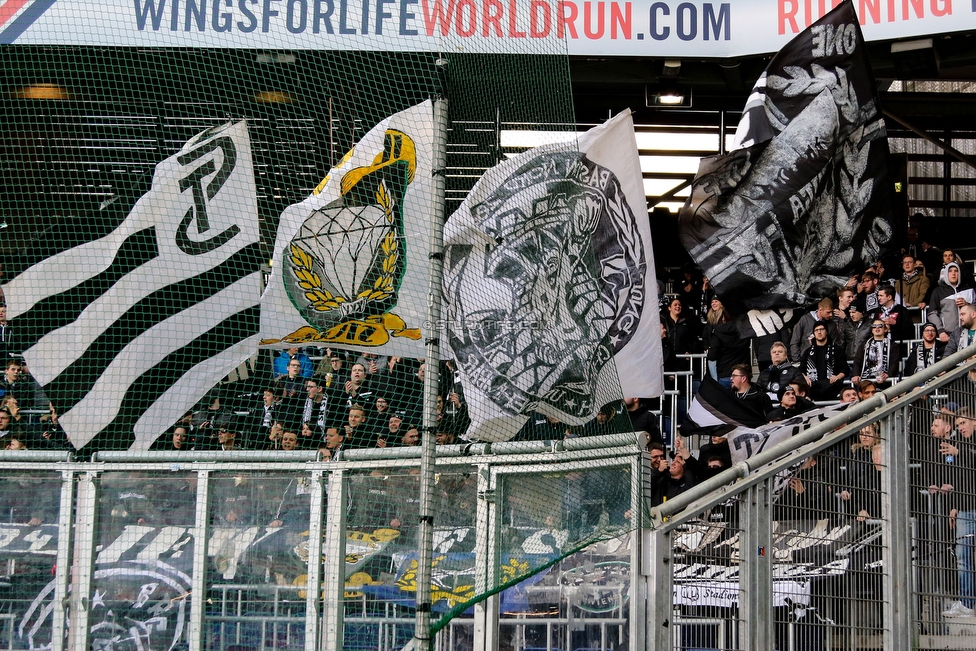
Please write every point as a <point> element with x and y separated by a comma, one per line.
<point>803,200</point>
<point>127,330</point>
<point>715,411</point>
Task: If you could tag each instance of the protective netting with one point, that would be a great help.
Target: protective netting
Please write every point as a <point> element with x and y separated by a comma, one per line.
<point>151,194</point>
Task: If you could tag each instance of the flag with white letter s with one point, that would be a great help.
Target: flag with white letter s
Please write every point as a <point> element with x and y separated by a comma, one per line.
<point>350,267</point>
<point>126,332</point>
<point>550,287</point>
<point>804,198</point>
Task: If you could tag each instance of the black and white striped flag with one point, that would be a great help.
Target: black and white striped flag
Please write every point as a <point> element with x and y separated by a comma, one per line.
<point>126,332</point>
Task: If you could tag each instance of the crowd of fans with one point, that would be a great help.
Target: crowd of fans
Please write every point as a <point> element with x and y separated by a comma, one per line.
<point>336,402</point>
<point>865,328</point>
<point>875,328</point>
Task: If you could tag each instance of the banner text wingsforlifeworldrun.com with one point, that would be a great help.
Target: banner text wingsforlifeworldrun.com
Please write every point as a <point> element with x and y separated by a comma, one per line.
<point>502,19</point>
<point>464,18</point>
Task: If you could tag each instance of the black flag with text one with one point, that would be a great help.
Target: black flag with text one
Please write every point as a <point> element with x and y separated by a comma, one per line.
<point>803,200</point>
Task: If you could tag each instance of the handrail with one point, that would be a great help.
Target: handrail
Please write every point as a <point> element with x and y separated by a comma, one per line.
<point>500,449</point>
<point>35,455</point>
<point>743,469</point>
<point>206,456</point>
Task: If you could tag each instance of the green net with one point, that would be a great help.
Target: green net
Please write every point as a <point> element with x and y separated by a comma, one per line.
<point>152,194</point>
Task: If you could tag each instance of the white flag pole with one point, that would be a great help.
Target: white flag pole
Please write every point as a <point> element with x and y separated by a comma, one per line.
<point>425,546</point>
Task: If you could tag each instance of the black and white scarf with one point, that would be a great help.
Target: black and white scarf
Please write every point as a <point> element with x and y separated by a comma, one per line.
<point>811,363</point>
<point>924,357</point>
<point>875,361</point>
<point>309,411</point>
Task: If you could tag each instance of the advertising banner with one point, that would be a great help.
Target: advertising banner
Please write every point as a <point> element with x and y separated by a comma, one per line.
<point>679,28</point>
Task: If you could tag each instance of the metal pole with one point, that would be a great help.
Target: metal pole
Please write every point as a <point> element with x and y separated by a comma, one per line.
<point>199,578</point>
<point>755,570</point>
<point>486,551</point>
<point>425,535</point>
<point>334,575</point>
<point>657,581</point>
<point>924,135</point>
<point>84,559</point>
<point>313,573</point>
<point>638,592</point>
<point>898,611</point>
<point>63,567</point>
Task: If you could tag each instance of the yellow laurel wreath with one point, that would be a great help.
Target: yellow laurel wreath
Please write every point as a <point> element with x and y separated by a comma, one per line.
<point>383,285</point>
<point>319,299</point>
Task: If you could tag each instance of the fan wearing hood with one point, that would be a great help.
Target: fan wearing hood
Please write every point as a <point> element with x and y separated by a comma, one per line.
<point>946,301</point>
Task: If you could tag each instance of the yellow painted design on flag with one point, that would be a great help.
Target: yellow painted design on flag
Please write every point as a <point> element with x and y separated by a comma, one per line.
<point>371,331</point>
<point>345,159</point>
<point>460,594</point>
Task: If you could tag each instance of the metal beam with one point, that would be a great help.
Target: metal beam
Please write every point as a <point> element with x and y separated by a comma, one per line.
<point>201,540</point>
<point>951,151</point>
<point>84,560</point>
<point>62,571</point>
<point>313,571</point>
<point>486,612</point>
<point>755,570</point>
<point>334,579</point>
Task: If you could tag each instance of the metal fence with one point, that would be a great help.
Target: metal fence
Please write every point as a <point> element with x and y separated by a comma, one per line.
<point>304,554</point>
<point>856,534</point>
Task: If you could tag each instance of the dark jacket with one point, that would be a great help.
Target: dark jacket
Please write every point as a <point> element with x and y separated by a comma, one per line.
<point>775,378</point>
<point>958,340</point>
<point>682,335</point>
<point>755,397</point>
<point>890,364</point>
<point>802,406</point>
<point>727,349</point>
<point>664,487</point>
<point>827,360</point>
<point>903,329</point>
<point>928,357</point>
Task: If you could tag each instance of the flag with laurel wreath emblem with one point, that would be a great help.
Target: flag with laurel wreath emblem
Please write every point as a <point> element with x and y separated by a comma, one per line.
<point>350,263</point>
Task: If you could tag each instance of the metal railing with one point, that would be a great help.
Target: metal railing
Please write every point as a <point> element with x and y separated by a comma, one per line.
<point>305,554</point>
<point>840,537</point>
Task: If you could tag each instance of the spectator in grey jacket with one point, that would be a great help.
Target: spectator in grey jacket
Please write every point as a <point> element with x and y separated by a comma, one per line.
<point>943,311</point>
<point>965,334</point>
<point>803,330</point>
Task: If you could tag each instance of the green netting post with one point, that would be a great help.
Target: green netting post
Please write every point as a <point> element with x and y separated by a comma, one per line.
<point>425,540</point>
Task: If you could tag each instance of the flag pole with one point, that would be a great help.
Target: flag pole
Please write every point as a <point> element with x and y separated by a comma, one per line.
<point>425,540</point>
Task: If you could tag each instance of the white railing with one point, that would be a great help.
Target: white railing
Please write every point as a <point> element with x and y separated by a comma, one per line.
<point>112,558</point>
<point>860,556</point>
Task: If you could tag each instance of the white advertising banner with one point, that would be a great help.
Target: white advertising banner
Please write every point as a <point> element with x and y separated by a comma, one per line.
<point>680,28</point>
